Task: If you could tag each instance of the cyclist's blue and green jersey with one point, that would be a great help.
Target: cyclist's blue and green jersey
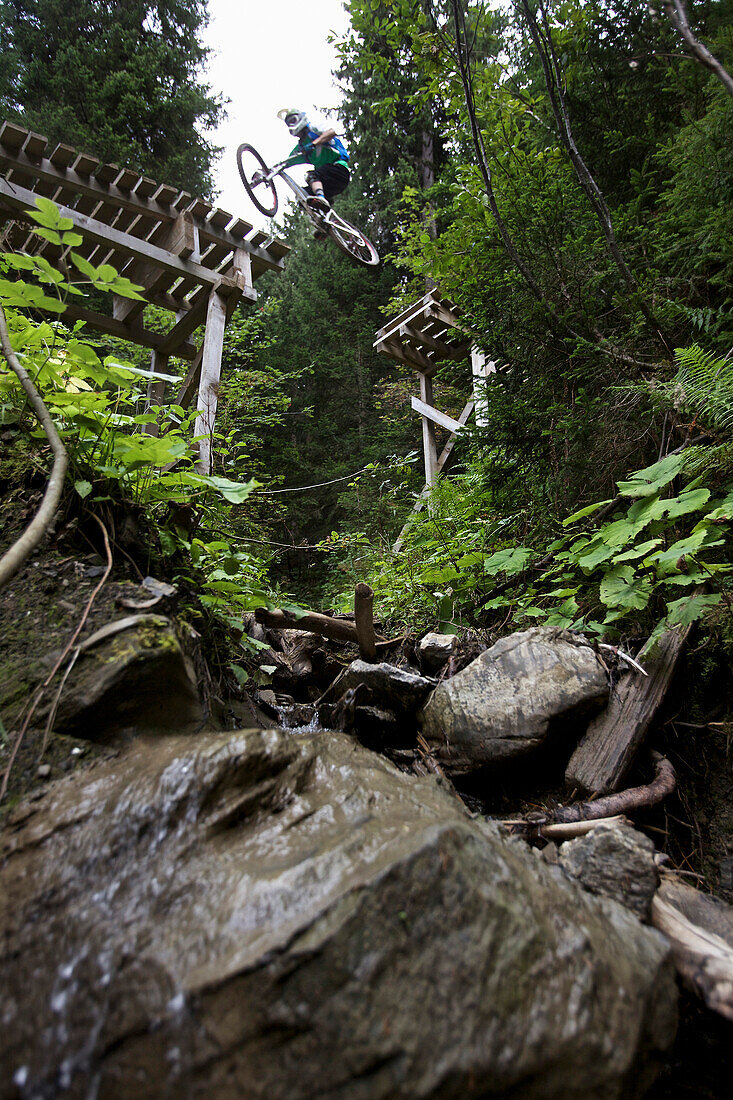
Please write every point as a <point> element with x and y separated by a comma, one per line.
<point>333,152</point>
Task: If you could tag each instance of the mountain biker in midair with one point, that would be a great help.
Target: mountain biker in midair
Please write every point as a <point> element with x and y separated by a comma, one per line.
<point>325,151</point>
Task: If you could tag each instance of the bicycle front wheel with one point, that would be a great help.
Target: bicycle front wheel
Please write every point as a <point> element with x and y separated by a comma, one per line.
<point>351,241</point>
<point>262,192</point>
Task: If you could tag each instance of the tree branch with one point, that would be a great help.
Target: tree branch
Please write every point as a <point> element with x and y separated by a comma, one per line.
<point>545,47</point>
<point>675,12</point>
<point>21,549</point>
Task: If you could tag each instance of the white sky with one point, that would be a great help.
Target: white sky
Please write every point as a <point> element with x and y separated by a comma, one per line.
<point>266,55</point>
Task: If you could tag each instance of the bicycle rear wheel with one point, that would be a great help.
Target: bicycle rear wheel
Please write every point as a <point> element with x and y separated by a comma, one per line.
<point>262,192</point>
<point>351,241</point>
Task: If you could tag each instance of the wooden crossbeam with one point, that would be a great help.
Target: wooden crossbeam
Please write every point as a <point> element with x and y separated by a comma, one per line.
<point>441,467</point>
<point>134,333</point>
<point>455,352</point>
<point>435,415</point>
<point>408,355</point>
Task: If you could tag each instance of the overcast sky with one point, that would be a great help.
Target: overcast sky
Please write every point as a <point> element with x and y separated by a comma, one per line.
<point>266,55</point>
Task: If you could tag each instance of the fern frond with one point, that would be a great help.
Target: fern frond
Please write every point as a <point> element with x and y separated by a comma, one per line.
<point>703,387</point>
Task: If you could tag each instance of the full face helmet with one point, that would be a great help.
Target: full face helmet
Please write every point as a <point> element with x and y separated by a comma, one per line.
<point>296,121</point>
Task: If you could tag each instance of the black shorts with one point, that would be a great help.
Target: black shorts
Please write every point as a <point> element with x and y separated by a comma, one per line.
<point>334,177</point>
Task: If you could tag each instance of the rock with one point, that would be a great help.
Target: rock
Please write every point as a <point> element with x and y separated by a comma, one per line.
<point>43,771</point>
<point>274,917</point>
<point>387,686</point>
<point>434,650</point>
<point>297,715</point>
<point>132,676</point>
<point>616,861</point>
<point>502,704</point>
<point>376,726</point>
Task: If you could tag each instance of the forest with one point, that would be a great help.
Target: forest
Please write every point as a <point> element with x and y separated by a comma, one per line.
<point>561,173</point>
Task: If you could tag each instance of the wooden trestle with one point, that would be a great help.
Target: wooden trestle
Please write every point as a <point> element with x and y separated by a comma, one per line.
<point>191,258</point>
<point>423,336</point>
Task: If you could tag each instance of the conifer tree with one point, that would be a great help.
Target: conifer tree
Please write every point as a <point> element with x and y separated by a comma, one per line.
<point>119,80</point>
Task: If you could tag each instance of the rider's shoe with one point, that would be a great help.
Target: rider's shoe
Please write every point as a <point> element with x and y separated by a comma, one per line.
<point>319,203</point>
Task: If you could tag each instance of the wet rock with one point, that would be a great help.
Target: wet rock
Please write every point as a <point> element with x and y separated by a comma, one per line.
<point>297,715</point>
<point>266,916</point>
<point>132,676</point>
<point>434,650</point>
<point>502,704</point>
<point>386,685</point>
<point>617,862</point>
<point>376,726</point>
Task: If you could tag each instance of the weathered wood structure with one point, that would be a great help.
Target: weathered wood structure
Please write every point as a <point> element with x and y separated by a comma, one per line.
<point>423,336</point>
<point>191,258</point>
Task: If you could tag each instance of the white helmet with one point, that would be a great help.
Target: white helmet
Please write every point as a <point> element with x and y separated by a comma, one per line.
<point>295,120</point>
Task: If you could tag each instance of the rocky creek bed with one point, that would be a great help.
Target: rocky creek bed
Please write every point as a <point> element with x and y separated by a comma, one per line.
<point>262,911</point>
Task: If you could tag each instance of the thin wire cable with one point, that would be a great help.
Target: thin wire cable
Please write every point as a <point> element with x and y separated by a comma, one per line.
<point>320,484</point>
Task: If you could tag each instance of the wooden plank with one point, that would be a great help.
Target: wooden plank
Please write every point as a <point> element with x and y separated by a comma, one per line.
<point>12,136</point>
<point>34,145</point>
<point>156,389</point>
<point>18,198</point>
<point>165,194</point>
<point>127,180</point>
<point>443,465</point>
<point>210,375</point>
<point>425,341</point>
<point>409,356</point>
<point>181,238</point>
<point>607,751</point>
<point>435,415</point>
<point>219,218</point>
<point>145,188</point>
<point>106,173</point>
<point>84,165</point>
<point>80,182</point>
<point>133,333</point>
<point>190,383</point>
<point>428,432</point>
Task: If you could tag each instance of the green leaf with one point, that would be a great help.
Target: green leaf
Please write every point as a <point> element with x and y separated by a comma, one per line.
<point>686,502</point>
<point>83,488</point>
<point>690,608</point>
<point>240,674</point>
<point>637,551</point>
<point>511,560</point>
<point>644,483</point>
<point>584,512</point>
<point>620,587</point>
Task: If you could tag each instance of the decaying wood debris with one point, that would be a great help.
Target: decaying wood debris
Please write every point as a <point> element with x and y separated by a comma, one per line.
<point>609,747</point>
<point>700,929</point>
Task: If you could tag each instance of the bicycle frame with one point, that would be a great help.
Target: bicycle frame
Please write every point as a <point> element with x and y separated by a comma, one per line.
<point>325,219</point>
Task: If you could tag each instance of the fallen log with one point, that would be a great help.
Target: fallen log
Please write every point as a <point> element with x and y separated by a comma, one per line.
<point>606,752</point>
<point>364,617</point>
<point>700,930</point>
<point>339,630</point>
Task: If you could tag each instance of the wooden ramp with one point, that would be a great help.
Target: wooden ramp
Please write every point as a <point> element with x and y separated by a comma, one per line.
<point>194,260</point>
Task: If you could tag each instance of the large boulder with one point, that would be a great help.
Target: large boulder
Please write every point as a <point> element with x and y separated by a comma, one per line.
<point>503,703</point>
<point>258,915</point>
<point>386,685</point>
<point>132,676</point>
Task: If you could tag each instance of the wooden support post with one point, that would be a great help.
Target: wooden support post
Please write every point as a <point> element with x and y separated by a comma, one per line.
<point>481,368</point>
<point>156,389</point>
<point>364,616</point>
<point>340,630</point>
<point>430,451</point>
<point>210,375</point>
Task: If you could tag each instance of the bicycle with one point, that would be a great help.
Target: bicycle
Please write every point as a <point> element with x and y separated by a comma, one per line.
<point>259,183</point>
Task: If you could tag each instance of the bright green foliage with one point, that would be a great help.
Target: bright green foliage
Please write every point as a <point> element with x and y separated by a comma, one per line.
<point>119,80</point>
<point>98,404</point>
